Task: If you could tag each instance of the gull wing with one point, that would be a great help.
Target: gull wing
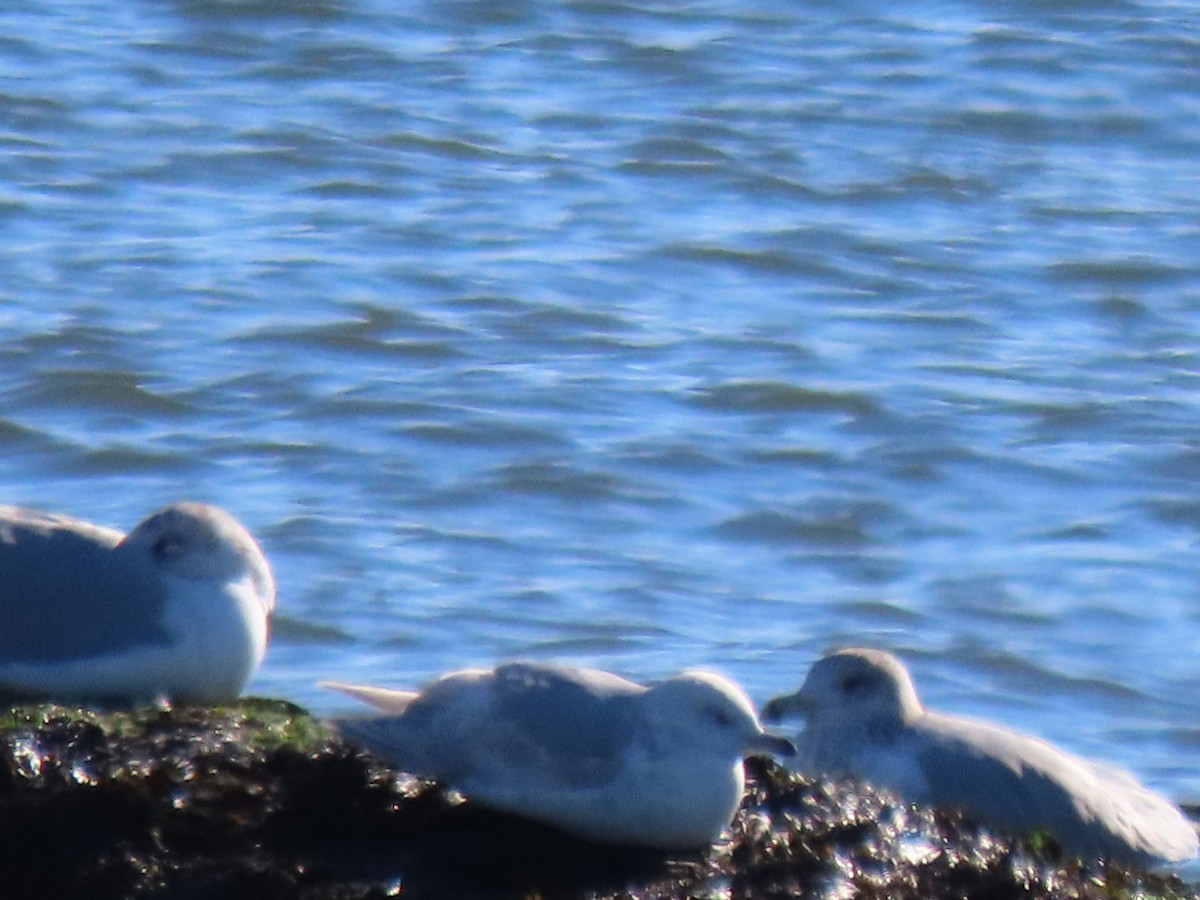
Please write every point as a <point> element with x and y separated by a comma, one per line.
<point>65,596</point>
<point>524,723</point>
<point>1022,783</point>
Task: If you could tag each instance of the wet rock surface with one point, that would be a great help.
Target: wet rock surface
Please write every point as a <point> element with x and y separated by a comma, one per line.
<point>260,801</point>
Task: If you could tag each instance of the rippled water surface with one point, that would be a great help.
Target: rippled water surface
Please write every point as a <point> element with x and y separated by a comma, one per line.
<point>637,335</point>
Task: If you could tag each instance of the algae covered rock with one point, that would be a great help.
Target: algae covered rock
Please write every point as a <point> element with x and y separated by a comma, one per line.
<point>259,800</point>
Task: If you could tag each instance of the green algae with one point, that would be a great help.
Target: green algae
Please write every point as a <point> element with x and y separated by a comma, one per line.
<point>272,724</point>
<point>255,722</point>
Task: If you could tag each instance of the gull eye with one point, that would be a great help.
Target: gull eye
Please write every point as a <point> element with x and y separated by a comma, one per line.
<point>722,718</point>
<point>166,547</point>
<point>854,684</point>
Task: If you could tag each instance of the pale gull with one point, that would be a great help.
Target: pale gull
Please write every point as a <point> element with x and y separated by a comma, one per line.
<point>863,720</point>
<point>586,751</point>
<point>177,610</point>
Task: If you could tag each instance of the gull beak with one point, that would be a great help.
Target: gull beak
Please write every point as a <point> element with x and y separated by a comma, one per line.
<point>786,705</point>
<point>767,744</point>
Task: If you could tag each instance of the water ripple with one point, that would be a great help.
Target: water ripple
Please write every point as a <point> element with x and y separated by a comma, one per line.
<point>780,397</point>
<point>718,326</point>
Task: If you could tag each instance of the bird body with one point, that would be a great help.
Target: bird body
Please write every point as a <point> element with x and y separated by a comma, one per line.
<point>177,609</point>
<point>584,750</point>
<point>864,720</point>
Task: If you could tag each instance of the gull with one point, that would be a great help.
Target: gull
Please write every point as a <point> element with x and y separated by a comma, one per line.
<point>864,721</point>
<point>177,610</point>
<point>586,751</point>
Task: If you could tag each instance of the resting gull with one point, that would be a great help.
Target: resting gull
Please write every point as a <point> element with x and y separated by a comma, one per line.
<point>177,610</point>
<point>587,751</point>
<point>863,720</point>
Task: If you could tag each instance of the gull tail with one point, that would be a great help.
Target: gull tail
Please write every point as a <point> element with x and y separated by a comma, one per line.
<point>383,699</point>
<point>388,736</point>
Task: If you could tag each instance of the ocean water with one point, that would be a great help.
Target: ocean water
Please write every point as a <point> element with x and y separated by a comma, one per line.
<point>643,336</point>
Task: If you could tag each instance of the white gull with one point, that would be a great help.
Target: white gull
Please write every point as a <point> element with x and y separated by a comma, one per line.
<point>584,750</point>
<point>177,610</point>
<point>864,720</point>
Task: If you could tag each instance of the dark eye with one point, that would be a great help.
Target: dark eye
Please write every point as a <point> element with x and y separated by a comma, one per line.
<point>165,548</point>
<point>853,684</point>
<point>722,718</point>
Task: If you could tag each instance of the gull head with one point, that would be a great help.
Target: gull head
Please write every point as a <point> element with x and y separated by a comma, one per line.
<point>854,686</point>
<point>709,712</point>
<point>198,542</point>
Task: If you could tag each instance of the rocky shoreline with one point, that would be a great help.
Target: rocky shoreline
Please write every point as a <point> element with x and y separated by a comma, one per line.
<point>259,800</point>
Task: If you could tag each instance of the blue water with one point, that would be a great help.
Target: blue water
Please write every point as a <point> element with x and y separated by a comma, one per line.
<point>637,335</point>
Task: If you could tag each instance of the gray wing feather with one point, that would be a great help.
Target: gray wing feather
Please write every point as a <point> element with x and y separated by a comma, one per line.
<point>1024,784</point>
<point>479,731</point>
<point>573,716</point>
<point>65,594</point>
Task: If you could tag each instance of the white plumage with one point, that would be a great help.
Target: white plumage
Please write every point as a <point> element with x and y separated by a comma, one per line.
<point>864,720</point>
<point>176,610</point>
<point>586,751</point>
